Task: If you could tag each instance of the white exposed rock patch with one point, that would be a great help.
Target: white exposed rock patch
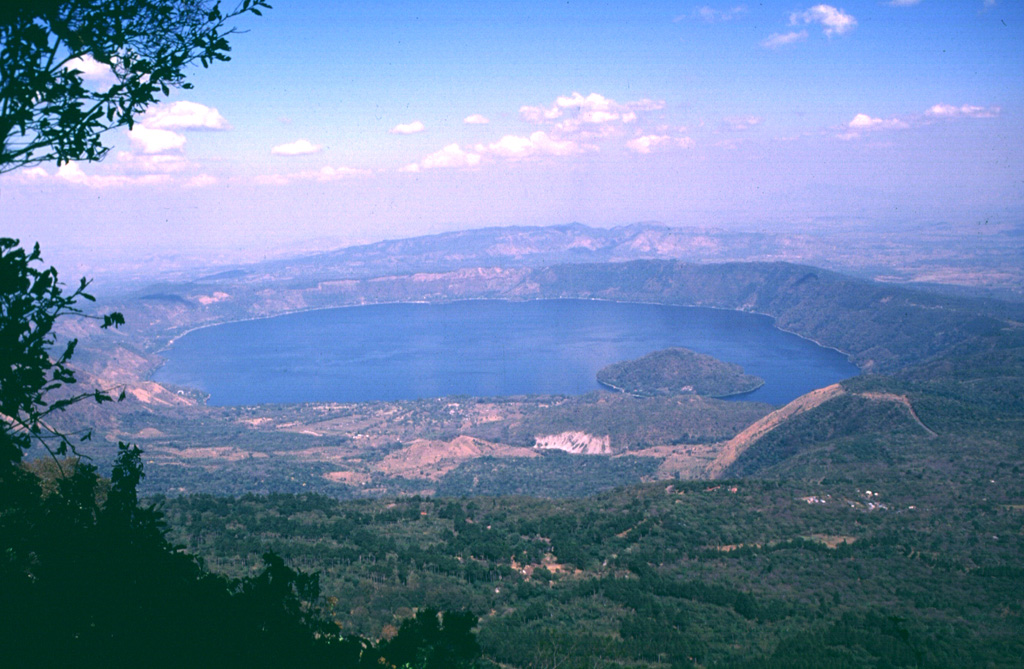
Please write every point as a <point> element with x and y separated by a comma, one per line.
<point>210,299</point>
<point>579,443</point>
<point>150,392</point>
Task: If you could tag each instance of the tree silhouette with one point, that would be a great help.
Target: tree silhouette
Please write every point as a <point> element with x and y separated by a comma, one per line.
<point>49,112</point>
<point>31,301</point>
<point>433,640</point>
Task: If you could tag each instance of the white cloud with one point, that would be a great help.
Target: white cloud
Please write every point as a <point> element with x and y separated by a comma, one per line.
<point>538,114</point>
<point>584,126</point>
<point>600,116</point>
<point>33,173</point>
<point>450,156</point>
<point>589,116</point>
<point>155,132</point>
<point>865,122</point>
<point>476,119</point>
<point>184,115</point>
<point>159,163</point>
<point>740,123</point>
<point>408,128</point>
<point>72,173</point>
<point>712,15</point>
<point>594,101</point>
<point>775,40</point>
<point>328,173</point>
<point>835,21</point>
<point>646,105</point>
<point>155,136</point>
<point>970,111</point>
<point>93,71</point>
<point>573,122</point>
<point>325,173</point>
<point>543,144</point>
<point>128,169</point>
<point>646,143</point>
<point>594,108</point>
<point>509,147</point>
<point>152,140</point>
<point>201,181</point>
<point>538,143</point>
<point>902,3</point>
<point>602,119</point>
<point>156,154</point>
<point>300,147</point>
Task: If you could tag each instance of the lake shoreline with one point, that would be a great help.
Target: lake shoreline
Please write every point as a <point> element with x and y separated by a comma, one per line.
<point>674,332</point>
<point>727,396</point>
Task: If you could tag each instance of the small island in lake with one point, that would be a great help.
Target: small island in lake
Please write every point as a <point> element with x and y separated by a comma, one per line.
<point>678,371</point>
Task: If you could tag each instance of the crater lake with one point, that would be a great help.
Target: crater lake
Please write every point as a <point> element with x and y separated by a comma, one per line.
<point>478,348</point>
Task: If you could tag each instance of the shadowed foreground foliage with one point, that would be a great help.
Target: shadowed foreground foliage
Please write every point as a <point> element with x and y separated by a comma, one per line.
<point>87,575</point>
<point>94,582</point>
<point>923,572</point>
<point>49,109</point>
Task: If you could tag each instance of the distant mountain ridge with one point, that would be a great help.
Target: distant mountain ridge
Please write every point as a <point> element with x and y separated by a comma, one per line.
<point>930,255</point>
<point>526,246</point>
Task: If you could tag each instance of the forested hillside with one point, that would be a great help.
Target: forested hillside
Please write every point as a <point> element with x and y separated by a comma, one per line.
<point>959,416</point>
<point>911,571</point>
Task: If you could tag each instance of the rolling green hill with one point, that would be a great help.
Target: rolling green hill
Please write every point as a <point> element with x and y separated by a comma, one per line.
<point>908,570</point>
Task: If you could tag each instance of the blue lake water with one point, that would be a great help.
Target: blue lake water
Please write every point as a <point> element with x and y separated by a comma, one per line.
<point>478,347</point>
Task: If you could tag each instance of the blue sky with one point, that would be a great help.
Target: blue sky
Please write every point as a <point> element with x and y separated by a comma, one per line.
<point>340,122</point>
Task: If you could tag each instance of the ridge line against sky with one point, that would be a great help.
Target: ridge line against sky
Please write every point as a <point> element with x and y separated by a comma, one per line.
<point>339,123</point>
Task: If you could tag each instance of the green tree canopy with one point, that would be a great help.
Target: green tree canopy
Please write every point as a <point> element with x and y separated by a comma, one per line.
<point>31,369</point>
<point>50,112</point>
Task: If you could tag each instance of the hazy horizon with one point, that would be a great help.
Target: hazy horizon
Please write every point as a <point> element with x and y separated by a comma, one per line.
<point>338,124</point>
